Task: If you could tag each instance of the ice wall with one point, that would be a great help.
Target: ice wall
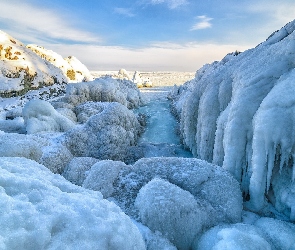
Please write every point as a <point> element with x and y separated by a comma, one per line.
<point>239,112</point>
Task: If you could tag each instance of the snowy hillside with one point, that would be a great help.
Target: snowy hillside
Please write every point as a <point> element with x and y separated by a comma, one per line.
<point>25,68</point>
<point>239,113</point>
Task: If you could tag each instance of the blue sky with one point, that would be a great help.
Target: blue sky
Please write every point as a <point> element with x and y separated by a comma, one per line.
<point>179,35</point>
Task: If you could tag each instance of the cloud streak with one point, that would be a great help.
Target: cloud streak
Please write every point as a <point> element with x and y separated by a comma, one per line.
<point>40,22</point>
<point>172,4</point>
<point>157,57</point>
<point>124,12</point>
<point>203,23</point>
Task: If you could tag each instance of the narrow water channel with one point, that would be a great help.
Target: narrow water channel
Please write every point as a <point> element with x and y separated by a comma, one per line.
<point>160,138</point>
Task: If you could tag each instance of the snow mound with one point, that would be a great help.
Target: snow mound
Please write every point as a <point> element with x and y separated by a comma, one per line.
<point>76,169</point>
<point>107,135</point>
<point>209,184</point>
<point>87,109</point>
<point>40,210</point>
<point>71,67</point>
<point>40,116</point>
<point>22,70</point>
<point>237,113</point>
<point>102,175</point>
<point>171,210</point>
<point>103,90</point>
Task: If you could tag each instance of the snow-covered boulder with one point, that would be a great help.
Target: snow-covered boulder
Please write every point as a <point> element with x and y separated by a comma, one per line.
<point>174,212</point>
<point>264,233</point>
<point>19,145</point>
<point>107,135</point>
<point>237,113</point>
<point>103,90</point>
<point>41,210</point>
<point>77,168</point>
<point>102,175</point>
<point>87,109</point>
<point>209,184</point>
<point>22,70</point>
<point>40,116</point>
<point>71,67</point>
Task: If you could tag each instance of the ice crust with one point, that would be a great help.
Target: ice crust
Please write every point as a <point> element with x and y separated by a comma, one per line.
<point>238,113</point>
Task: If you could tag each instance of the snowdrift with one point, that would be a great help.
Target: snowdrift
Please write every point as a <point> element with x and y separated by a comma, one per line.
<point>238,113</point>
<point>40,210</point>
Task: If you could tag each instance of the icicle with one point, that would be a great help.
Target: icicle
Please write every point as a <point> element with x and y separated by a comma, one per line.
<point>270,165</point>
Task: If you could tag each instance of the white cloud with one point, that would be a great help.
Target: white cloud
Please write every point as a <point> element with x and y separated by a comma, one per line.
<point>157,57</point>
<point>124,11</point>
<point>172,4</point>
<point>42,23</point>
<point>203,23</point>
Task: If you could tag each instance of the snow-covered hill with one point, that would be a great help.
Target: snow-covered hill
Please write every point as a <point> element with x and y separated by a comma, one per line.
<point>239,113</point>
<point>23,68</point>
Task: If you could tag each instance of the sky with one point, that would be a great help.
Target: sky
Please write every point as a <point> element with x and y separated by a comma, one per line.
<point>144,35</point>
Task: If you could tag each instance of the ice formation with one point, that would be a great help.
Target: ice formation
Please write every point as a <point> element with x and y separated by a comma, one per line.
<point>264,233</point>
<point>103,90</point>
<point>174,212</point>
<point>106,135</point>
<point>238,113</point>
<point>208,183</point>
<point>40,210</point>
<point>40,116</point>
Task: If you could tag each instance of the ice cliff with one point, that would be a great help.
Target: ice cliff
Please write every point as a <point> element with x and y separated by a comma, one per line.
<point>239,113</point>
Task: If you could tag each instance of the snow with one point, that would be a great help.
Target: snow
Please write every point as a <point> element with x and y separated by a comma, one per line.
<point>238,113</point>
<point>40,116</point>
<point>40,210</point>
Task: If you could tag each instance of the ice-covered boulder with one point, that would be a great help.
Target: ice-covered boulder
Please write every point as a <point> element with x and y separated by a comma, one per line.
<point>41,210</point>
<point>174,212</point>
<point>237,113</point>
<point>101,176</point>
<point>40,116</point>
<point>87,109</point>
<point>107,135</point>
<point>76,169</point>
<point>237,236</point>
<point>264,233</point>
<point>209,184</point>
<point>103,90</point>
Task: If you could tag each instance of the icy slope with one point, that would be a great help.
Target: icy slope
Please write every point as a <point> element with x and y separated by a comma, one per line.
<point>239,113</point>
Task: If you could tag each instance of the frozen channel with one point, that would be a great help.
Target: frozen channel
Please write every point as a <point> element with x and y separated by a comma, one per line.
<point>160,138</point>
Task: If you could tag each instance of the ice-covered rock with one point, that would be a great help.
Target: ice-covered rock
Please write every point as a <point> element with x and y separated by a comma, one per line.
<point>237,236</point>
<point>40,116</point>
<point>237,113</point>
<point>103,90</point>
<point>41,210</point>
<point>101,176</point>
<point>209,184</point>
<point>76,169</point>
<point>87,109</point>
<point>174,212</point>
<point>106,135</point>
<point>264,233</point>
